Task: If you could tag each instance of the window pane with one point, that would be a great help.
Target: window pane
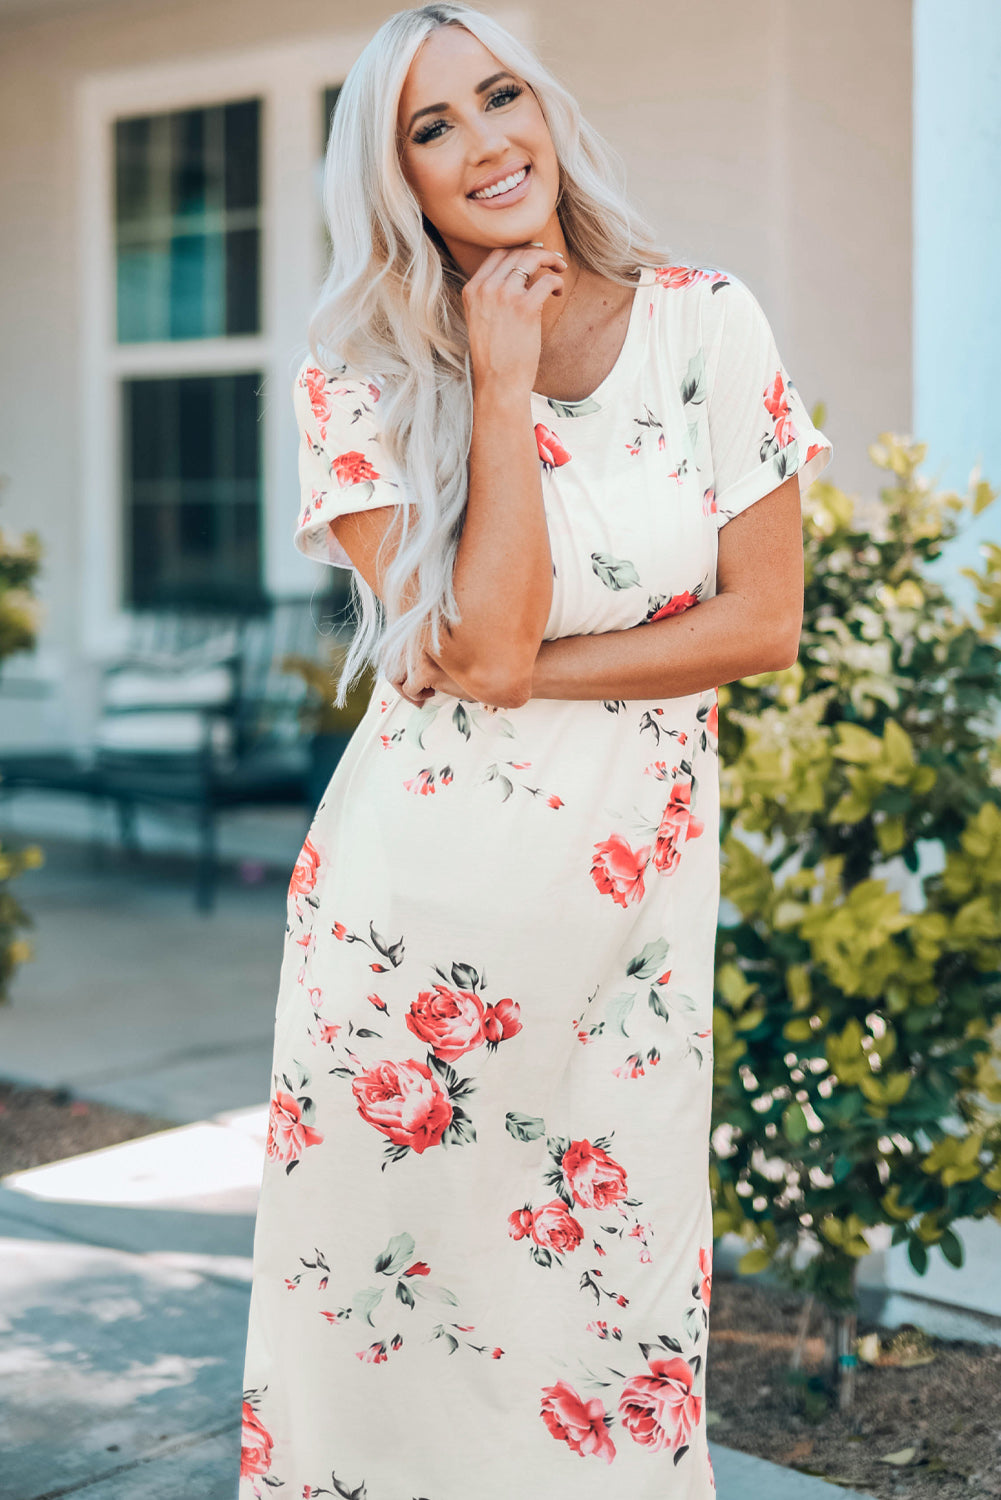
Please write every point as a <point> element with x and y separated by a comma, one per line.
<point>329,104</point>
<point>192,483</point>
<point>188,223</point>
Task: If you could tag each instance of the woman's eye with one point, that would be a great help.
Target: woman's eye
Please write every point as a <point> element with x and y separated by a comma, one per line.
<point>430,132</point>
<point>508,93</point>
<point>427,132</point>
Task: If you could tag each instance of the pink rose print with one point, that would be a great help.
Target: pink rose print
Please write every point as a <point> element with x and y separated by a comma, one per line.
<point>677,824</point>
<point>319,397</point>
<point>304,874</point>
<point>813,450</point>
<point>676,277</point>
<point>520,1223</point>
<point>501,1021</point>
<point>659,1410</point>
<point>555,1228</point>
<point>709,502</point>
<point>551,450</point>
<point>256,1444</point>
<point>706,1268</point>
<point>777,406</point>
<point>450,1021</point>
<point>375,1354</point>
<point>352,468</point>
<point>288,1137</point>
<point>617,870</point>
<point>581,1424</point>
<point>405,1101</point>
<point>594,1179</point>
<point>422,784</point>
<point>674,606</point>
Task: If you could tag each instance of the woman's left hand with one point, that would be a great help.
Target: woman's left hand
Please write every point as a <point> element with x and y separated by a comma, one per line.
<point>430,678</point>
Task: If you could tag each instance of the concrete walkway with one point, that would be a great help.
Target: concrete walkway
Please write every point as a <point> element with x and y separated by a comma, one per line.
<point>125,1272</point>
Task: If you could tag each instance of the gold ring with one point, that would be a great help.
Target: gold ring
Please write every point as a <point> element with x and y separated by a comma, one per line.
<point>522,272</point>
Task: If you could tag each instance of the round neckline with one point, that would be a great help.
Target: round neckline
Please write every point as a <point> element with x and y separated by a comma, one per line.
<point>624,361</point>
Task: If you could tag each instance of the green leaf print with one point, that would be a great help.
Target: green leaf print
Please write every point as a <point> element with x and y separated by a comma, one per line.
<point>692,1320</point>
<point>574,408</point>
<point>649,961</point>
<point>618,1010</point>
<point>396,1254</point>
<point>404,1294</point>
<point>693,387</point>
<point>524,1127</point>
<point>419,721</point>
<point>465,976</point>
<point>460,719</point>
<point>363,1303</point>
<point>787,459</point>
<point>615,572</point>
<point>658,1007</point>
<point>497,723</point>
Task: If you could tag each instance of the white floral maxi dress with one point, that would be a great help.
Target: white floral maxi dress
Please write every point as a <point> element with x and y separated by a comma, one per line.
<point>483,1252</point>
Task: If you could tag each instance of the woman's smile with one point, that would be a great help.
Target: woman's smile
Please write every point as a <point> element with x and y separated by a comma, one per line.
<point>510,188</point>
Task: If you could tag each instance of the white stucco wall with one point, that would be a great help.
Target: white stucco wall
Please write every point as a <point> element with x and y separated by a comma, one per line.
<point>772,138</point>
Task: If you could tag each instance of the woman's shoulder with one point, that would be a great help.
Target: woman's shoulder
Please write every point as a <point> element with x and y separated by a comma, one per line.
<point>337,382</point>
<point>339,395</point>
<point>702,301</point>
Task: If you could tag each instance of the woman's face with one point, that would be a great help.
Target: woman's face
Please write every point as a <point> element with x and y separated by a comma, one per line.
<point>466,124</point>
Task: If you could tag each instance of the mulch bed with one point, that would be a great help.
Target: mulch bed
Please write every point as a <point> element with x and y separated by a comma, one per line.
<point>929,1429</point>
<point>39,1125</point>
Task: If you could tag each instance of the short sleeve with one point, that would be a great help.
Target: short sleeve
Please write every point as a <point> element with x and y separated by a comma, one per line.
<point>760,431</point>
<point>343,465</point>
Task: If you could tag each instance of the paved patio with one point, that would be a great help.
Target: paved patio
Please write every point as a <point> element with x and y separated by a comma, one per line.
<point>125,1272</point>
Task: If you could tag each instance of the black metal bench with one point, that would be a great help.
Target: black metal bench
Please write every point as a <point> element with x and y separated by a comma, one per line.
<point>241,744</point>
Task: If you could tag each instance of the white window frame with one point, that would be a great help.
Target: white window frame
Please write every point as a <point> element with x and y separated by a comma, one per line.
<point>289,79</point>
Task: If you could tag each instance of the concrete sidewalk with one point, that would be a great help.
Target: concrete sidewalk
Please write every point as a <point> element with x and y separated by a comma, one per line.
<point>125,1272</point>
<point>125,1275</point>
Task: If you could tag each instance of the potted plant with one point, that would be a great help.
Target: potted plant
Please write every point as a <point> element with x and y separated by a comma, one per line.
<point>327,727</point>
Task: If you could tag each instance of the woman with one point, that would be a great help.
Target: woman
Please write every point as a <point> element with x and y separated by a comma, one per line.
<point>483,1255</point>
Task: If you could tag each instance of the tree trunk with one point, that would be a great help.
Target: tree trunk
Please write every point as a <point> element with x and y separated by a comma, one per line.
<point>847,1360</point>
<point>802,1330</point>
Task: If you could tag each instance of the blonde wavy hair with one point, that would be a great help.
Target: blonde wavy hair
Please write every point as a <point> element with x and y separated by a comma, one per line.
<point>391,307</point>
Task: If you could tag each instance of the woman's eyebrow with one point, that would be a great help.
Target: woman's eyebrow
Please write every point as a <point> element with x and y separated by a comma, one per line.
<point>437,109</point>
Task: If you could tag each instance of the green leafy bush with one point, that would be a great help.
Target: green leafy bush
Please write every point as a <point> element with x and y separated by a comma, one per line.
<point>858,988</point>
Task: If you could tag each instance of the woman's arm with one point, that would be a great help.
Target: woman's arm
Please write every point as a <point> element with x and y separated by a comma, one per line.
<point>751,625</point>
<point>503,573</point>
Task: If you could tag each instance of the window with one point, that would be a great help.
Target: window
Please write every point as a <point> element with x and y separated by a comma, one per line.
<point>187,267</point>
<point>191,490</point>
<point>328,102</point>
<point>187,223</point>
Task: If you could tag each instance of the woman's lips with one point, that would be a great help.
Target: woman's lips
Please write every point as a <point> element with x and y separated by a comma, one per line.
<point>513,195</point>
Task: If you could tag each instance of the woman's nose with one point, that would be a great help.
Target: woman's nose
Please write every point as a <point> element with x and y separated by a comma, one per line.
<point>489,138</point>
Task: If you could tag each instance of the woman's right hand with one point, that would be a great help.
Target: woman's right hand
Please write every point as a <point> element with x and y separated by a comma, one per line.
<point>504,313</point>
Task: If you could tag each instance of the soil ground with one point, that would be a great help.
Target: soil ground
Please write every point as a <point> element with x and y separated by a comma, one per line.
<point>39,1125</point>
<point>926,1423</point>
<point>928,1430</point>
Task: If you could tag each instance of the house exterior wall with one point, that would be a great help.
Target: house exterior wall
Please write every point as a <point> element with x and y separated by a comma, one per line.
<point>771,138</point>
<point>957,249</point>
